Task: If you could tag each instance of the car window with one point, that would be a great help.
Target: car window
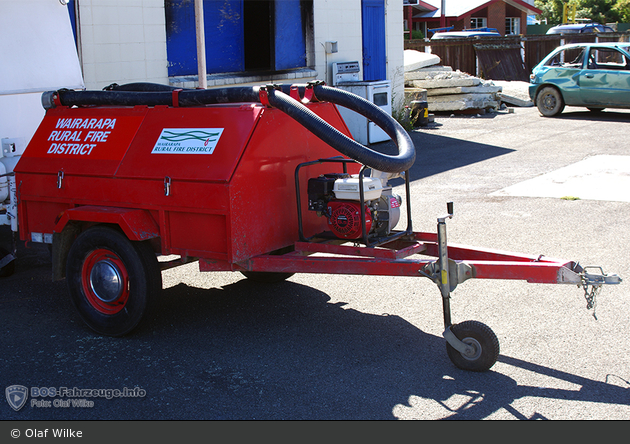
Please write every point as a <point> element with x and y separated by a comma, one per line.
<point>568,58</point>
<point>607,58</point>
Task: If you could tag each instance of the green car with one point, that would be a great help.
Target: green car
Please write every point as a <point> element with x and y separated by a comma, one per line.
<point>594,75</point>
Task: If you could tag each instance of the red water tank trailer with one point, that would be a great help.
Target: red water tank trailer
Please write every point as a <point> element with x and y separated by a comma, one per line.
<point>245,179</point>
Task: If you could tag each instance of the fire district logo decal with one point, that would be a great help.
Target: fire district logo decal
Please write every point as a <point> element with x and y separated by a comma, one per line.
<point>187,141</point>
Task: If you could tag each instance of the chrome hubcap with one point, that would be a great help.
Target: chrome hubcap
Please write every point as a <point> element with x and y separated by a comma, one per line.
<point>106,281</point>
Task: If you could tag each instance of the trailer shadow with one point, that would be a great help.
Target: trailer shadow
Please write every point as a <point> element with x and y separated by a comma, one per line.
<point>285,352</point>
<point>277,352</point>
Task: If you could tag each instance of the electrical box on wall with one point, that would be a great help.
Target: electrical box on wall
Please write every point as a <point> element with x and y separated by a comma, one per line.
<point>331,47</point>
<point>346,75</point>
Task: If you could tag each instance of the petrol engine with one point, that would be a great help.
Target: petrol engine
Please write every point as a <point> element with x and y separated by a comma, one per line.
<point>337,197</point>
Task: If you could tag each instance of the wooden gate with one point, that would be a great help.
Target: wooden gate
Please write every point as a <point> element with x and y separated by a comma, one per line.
<point>501,61</point>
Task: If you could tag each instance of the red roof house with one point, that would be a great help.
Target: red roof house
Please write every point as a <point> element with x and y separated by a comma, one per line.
<point>506,16</point>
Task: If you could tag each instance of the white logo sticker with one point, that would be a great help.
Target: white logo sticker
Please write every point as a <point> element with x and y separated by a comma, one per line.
<point>187,141</point>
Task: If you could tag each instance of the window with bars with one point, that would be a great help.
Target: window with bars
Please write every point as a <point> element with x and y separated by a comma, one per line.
<point>512,25</point>
<point>478,22</point>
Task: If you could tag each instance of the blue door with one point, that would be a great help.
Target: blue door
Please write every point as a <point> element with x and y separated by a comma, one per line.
<point>223,31</point>
<point>373,31</point>
<point>241,35</point>
<point>73,18</point>
<point>290,46</point>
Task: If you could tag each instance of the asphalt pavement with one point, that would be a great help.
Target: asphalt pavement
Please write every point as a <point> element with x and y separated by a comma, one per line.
<point>337,347</point>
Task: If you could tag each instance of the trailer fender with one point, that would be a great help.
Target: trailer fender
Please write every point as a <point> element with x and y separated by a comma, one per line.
<point>137,225</point>
<point>60,247</point>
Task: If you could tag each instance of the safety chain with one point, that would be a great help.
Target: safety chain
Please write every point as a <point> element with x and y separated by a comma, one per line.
<point>595,281</point>
<point>590,295</point>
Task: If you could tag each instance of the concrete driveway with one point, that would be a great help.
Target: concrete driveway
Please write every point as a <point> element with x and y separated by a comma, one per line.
<point>370,348</point>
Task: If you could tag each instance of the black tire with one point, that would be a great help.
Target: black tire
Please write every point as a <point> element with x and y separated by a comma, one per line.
<point>9,268</point>
<point>549,101</point>
<point>264,277</point>
<point>482,338</point>
<point>114,306</point>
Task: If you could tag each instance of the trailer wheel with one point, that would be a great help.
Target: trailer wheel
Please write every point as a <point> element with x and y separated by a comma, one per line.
<point>9,268</point>
<point>484,341</point>
<point>112,281</point>
<point>266,277</point>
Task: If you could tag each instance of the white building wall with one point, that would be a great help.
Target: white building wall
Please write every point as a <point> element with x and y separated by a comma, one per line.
<point>340,21</point>
<point>394,30</point>
<point>122,41</point>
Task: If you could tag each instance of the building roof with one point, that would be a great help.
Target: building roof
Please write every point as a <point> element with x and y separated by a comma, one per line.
<point>458,8</point>
<point>419,4</point>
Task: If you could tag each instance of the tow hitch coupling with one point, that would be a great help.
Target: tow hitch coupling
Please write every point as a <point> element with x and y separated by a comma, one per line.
<point>592,285</point>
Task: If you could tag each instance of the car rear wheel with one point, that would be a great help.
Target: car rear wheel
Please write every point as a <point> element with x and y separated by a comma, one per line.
<point>549,101</point>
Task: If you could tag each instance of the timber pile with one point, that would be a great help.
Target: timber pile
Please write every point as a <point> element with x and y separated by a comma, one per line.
<point>448,90</point>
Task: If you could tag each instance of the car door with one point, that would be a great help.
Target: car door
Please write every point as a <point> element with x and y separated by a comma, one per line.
<point>562,68</point>
<point>605,79</point>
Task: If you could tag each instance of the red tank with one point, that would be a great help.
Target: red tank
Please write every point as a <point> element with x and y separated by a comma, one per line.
<point>215,182</point>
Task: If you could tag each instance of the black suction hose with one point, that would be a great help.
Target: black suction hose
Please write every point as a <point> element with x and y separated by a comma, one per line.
<point>151,94</point>
<point>342,143</point>
<point>140,86</point>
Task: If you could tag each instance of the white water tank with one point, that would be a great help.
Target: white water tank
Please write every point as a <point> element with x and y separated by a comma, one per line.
<point>4,183</point>
<point>10,152</point>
